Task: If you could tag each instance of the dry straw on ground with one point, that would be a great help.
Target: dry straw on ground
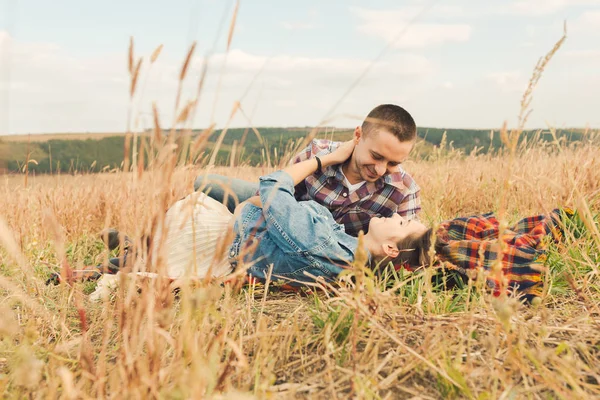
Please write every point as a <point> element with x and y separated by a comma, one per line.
<point>214,340</point>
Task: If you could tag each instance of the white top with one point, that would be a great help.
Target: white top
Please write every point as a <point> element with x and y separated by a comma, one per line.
<point>196,226</point>
<point>352,188</point>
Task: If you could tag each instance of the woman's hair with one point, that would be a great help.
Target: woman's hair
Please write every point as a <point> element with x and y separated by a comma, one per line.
<point>414,250</point>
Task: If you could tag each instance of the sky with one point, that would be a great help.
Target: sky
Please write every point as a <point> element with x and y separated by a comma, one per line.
<point>450,63</point>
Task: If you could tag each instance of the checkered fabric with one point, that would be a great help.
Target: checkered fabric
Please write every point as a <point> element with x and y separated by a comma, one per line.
<point>471,244</point>
<point>394,193</point>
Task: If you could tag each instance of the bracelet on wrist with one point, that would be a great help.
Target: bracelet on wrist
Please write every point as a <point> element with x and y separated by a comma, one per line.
<point>319,165</point>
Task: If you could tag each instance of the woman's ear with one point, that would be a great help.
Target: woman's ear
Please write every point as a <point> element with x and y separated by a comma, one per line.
<point>390,250</point>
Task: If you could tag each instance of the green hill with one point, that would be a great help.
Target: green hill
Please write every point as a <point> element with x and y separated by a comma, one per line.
<point>96,154</point>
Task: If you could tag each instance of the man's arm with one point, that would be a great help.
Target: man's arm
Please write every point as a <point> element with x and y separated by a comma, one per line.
<point>410,206</point>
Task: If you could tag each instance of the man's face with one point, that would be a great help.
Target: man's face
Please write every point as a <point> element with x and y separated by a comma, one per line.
<point>378,153</point>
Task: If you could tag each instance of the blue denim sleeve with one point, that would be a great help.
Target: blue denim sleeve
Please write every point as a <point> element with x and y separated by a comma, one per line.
<point>291,226</point>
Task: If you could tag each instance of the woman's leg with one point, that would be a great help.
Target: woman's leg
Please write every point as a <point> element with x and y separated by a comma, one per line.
<point>93,272</point>
<point>196,228</point>
<point>226,190</point>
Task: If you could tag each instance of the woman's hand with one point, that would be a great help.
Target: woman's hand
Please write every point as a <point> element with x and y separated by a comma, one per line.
<point>339,155</point>
<point>301,170</point>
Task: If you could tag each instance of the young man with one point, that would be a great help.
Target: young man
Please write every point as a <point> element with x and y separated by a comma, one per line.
<point>371,183</point>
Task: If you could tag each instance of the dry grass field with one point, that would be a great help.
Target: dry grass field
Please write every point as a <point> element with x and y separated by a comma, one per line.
<point>404,337</point>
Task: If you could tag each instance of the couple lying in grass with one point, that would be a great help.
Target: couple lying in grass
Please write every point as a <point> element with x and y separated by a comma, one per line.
<point>299,242</point>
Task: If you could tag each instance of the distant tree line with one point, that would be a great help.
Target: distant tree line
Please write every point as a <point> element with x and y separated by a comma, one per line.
<point>248,147</point>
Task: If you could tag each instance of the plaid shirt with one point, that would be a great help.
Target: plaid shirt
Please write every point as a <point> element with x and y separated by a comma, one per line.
<point>393,193</point>
<point>470,245</point>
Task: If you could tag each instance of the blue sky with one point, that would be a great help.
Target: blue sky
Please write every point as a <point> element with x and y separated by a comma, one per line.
<point>454,63</point>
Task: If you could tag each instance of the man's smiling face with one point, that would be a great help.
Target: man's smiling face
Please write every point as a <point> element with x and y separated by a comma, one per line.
<point>376,154</point>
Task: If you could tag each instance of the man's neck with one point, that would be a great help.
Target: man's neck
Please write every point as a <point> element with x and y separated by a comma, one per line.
<point>352,176</point>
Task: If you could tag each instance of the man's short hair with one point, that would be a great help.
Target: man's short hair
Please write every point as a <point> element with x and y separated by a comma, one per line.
<point>394,119</point>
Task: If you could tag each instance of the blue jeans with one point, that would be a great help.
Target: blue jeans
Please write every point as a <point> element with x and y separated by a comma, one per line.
<point>226,190</point>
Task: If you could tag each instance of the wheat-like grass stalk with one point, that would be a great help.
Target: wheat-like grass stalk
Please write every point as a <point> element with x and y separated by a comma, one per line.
<point>511,141</point>
<point>182,75</point>
<point>130,58</point>
<point>156,53</point>
<point>232,24</point>
<point>186,63</point>
<point>134,77</point>
<point>222,69</point>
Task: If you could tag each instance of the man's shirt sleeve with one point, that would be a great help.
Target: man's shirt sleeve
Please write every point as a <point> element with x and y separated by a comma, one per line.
<point>314,147</point>
<point>303,155</point>
<point>410,205</point>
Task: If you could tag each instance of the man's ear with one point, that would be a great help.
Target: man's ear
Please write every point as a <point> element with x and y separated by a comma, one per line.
<point>357,134</point>
<point>390,250</point>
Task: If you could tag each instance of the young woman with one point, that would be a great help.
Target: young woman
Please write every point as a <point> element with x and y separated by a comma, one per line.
<point>301,240</point>
<point>512,261</point>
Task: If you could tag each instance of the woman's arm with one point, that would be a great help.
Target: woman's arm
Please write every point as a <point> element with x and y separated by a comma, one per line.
<point>301,170</point>
<point>292,226</point>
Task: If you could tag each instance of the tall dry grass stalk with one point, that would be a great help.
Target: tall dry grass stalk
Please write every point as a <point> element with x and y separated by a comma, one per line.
<point>511,141</point>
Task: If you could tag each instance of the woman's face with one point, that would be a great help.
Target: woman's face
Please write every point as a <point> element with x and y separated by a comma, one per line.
<point>394,228</point>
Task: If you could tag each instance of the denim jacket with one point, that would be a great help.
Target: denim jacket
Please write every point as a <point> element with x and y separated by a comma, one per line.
<point>295,237</point>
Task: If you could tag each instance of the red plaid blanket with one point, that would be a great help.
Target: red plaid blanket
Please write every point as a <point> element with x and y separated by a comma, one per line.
<point>472,245</point>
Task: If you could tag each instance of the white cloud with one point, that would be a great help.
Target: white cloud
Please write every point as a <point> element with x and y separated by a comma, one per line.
<point>51,90</point>
<point>588,22</point>
<point>46,89</point>
<point>297,26</point>
<point>314,84</point>
<point>395,25</point>
<point>542,7</point>
<point>591,17</point>
<point>592,55</point>
<point>295,66</point>
<point>507,81</point>
<point>286,103</point>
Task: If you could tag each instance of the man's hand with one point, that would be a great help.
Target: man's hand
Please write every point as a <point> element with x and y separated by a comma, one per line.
<point>339,155</point>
